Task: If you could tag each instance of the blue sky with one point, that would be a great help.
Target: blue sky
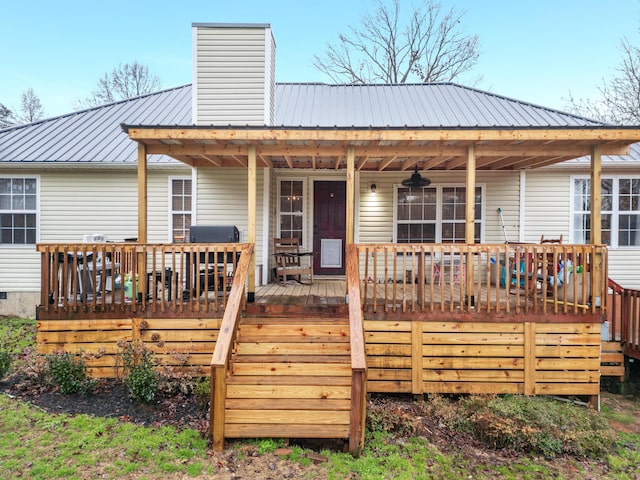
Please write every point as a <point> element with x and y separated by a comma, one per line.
<point>537,51</point>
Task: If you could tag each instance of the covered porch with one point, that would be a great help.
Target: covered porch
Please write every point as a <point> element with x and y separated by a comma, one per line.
<point>412,318</point>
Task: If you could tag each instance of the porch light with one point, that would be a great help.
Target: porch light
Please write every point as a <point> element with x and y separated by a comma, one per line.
<point>416,180</point>
<point>374,188</point>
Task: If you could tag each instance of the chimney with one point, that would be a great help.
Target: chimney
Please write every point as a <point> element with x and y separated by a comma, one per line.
<point>233,74</point>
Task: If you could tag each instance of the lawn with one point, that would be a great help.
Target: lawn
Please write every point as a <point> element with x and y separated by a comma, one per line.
<point>440,438</point>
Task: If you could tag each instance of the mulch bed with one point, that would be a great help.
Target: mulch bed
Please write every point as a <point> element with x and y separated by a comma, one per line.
<point>111,399</point>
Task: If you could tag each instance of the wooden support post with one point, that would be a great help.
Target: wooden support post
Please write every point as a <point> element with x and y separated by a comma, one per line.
<point>218,400</point>
<point>357,413</point>
<point>596,221</point>
<point>417,385</point>
<point>351,198</point>
<point>529,358</point>
<point>351,194</point>
<point>142,219</point>
<point>470,216</point>
<point>251,199</point>
<point>142,193</point>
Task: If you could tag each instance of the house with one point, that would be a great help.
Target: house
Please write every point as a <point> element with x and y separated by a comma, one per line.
<point>326,164</point>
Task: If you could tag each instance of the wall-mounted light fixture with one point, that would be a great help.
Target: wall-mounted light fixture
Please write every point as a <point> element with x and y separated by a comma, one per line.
<point>374,188</point>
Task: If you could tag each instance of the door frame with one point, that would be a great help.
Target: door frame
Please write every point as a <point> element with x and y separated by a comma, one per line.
<point>312,181</point>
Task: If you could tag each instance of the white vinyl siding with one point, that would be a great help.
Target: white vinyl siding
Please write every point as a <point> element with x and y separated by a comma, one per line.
<point>233,71</point>
<point>74,203</point>
<point>222,200</point>
<point>547,205</point>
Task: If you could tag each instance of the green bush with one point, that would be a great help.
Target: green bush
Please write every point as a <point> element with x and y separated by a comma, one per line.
<point>5,363</point>
<point>140,376</point>
<point>202,392</point>
<point>536,424</point>
<point>69,373</point>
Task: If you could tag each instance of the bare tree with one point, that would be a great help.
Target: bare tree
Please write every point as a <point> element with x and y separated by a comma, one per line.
<point>428,48</point>
<point>30,107</point>
<point>125,81</point>
<point>619,100</point>
<point>6,116</point>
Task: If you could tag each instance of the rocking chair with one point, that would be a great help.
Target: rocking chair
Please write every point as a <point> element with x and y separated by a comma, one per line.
<point>290,261</point>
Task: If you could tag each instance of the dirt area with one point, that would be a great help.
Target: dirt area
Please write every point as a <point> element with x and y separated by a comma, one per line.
<point>110,399</point>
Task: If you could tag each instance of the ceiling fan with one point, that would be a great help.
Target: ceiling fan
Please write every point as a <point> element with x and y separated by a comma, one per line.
<point>416,180</point>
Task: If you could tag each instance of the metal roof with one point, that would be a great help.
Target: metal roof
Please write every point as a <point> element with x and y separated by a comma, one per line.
<point>95,135</point>
<point>441,105</point>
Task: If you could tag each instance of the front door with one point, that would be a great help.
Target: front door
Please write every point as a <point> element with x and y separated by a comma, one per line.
<point>329,227</point>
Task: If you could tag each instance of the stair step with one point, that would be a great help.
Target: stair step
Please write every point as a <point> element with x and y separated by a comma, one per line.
<point>311,358</point>
<point>295,381</point>
<point>290,377</point>
<point>292,348</point>
<point>296,369</point>
<point>286,430</point>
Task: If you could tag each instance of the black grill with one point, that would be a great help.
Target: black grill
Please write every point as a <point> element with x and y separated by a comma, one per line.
<point>215,265</point>
<point>214,234</point>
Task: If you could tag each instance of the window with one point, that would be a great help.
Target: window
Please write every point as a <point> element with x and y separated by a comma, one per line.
<point>620,211</point>
<point>180,209</point>
<point>291,213</point>
<point>435,214</point>
<point>18,215</point>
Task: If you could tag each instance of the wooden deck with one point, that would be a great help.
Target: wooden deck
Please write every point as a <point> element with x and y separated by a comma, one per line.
<point>402,330</point>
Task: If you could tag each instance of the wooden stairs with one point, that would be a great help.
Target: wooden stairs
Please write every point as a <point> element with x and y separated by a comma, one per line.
<point>290,377</point>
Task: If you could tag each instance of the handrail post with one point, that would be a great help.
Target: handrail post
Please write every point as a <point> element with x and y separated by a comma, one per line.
<point>358,358</point>
<point>221,359</point>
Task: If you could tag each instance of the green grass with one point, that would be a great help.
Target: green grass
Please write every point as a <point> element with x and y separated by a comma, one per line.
<point>39,445</point>
<point>17,334</point>
<point>42,445</point>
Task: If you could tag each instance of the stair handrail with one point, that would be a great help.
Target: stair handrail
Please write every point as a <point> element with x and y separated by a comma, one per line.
<point>358,356</point>
<point>629,317</point>
<point>220,361</point>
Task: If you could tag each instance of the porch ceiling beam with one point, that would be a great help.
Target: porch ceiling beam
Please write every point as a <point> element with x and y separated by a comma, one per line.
<point>362,163</point>
<point>597,135</point>
<point>266,160</point>
<point>211,160</point>
<point>289,161</point>
<point>408,163</point>
<point>241,160</point>
<point>374,151</point>
<point>386,162</point>
<point>433,162</point>
<point>454,163</point>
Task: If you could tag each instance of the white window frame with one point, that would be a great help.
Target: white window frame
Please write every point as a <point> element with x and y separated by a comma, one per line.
<point>615,211</point>
<point>172,212</point>
<point>36,211</point>
<point>439,206</point>
<point>305,202</point>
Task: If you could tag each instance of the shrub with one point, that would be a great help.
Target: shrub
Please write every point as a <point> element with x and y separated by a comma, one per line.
<point>180,378</point>
<point>202,392</point>
<point>534,424</point>
<point>69,373</point>
<point>140,376</point>
<point>5,363</point>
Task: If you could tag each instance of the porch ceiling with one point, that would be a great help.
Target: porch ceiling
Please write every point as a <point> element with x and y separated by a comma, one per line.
<point>381,149</point>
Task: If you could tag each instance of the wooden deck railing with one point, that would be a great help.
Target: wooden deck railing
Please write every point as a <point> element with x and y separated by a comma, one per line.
<point>134,278</point>
<point>221,359</point>
<point>358,356</point>
<point>484,278</point>
<point>625,306</point>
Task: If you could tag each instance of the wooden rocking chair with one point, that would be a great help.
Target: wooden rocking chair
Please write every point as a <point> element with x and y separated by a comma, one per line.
<point>290,261</point>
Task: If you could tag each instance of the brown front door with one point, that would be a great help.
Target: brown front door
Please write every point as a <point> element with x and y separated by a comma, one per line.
<point>329,227</point>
